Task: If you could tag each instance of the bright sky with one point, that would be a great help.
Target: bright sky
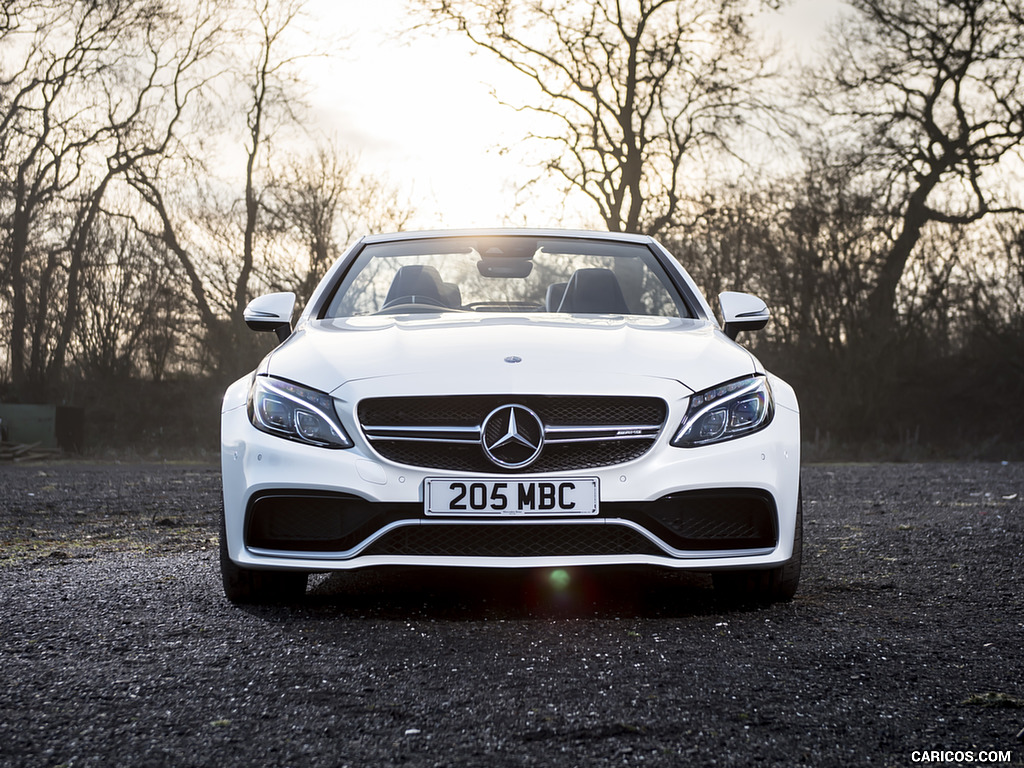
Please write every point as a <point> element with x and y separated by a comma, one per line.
<point>419,110</point>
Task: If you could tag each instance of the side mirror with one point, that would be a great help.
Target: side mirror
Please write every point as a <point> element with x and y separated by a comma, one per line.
<point>742,312</point>
<point>272,312</point>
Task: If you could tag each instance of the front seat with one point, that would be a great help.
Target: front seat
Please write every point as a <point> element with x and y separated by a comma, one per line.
<point>452,295</point>
<point>553,297</point>
<point>419,282</point>
<point>594,291</point>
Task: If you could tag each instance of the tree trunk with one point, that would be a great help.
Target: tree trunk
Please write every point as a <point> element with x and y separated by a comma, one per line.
<point>881,304</point>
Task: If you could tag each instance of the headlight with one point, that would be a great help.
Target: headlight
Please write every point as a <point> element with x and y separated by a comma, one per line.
<point>731,410</point>
<point>287,410</point>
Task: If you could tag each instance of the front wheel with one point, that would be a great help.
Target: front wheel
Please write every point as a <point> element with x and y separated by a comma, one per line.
<point>252,587</point>
<point>766,585</point>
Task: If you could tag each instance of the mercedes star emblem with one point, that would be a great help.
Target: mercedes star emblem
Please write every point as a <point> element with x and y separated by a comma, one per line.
<point>512,436</point>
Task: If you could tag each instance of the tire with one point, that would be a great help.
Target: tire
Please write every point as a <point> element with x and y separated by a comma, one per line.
<point>766,585</point>
<point>247,586</point>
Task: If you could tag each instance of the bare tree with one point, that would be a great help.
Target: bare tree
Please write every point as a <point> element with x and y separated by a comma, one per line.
<point>215,233</point>
<point>929,92</point>
<point>280,228</point>
<point>148,182</point>
<point>142,122</point>
<point>321,202</point>
<point>634,91</point>
<point>269,91</point>
<point>101,89</point>
<point>127,324</point>
<point>39,160</point>
<point>804,243</point>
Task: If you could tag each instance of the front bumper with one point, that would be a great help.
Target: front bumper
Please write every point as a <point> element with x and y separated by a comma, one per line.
<point>725,506</point>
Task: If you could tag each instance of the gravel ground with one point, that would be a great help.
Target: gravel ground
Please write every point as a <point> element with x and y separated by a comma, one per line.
<point>903,646</point>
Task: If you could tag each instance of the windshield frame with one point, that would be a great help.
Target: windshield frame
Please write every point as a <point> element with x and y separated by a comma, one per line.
<point>519,243</point>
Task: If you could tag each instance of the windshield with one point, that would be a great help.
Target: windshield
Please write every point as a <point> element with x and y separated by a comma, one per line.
<point>506,274</point>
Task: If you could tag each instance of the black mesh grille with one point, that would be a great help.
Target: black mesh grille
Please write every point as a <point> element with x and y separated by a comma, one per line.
<point>704,520</point>
<point>470,411</point>
<point>513,540</point>
<point>317,522</point>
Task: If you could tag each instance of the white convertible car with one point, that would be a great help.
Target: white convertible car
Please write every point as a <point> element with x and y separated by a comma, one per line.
<point>509,399</point>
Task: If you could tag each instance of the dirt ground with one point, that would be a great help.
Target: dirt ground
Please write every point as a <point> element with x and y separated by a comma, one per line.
<point>903,646</point>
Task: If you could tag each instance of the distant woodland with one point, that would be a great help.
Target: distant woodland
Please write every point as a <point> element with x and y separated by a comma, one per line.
<point>158,171</point>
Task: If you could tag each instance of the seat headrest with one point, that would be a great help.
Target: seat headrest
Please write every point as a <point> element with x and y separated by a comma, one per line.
<point>416,280</point>
<point>594,291</point>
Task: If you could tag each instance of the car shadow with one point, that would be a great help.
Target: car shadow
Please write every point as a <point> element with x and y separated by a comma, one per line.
<point>457,594</point>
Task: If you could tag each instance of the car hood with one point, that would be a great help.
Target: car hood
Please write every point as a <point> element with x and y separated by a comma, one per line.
<point>505,351</point>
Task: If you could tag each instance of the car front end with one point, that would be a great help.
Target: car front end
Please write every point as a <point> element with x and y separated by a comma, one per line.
<point>509,438</point>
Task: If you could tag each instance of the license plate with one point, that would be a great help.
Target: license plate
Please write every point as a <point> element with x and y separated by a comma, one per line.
<point>511,498</point>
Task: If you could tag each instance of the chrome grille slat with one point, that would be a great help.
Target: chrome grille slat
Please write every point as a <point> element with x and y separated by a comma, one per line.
<point>518,540</point>
<point>585,434</point>
<point>426,434</point>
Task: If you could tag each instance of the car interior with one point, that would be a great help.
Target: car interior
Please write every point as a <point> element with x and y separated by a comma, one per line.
<point>591,290</point>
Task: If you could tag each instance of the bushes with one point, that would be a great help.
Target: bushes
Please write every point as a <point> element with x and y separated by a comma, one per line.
<point>174,418</point>
<point>906,402</point>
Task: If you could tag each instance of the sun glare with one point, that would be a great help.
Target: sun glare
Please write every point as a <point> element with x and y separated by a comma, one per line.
<point>420,110</point>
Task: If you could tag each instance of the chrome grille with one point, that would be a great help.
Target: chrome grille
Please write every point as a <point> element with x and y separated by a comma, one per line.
<point>580,432</point>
